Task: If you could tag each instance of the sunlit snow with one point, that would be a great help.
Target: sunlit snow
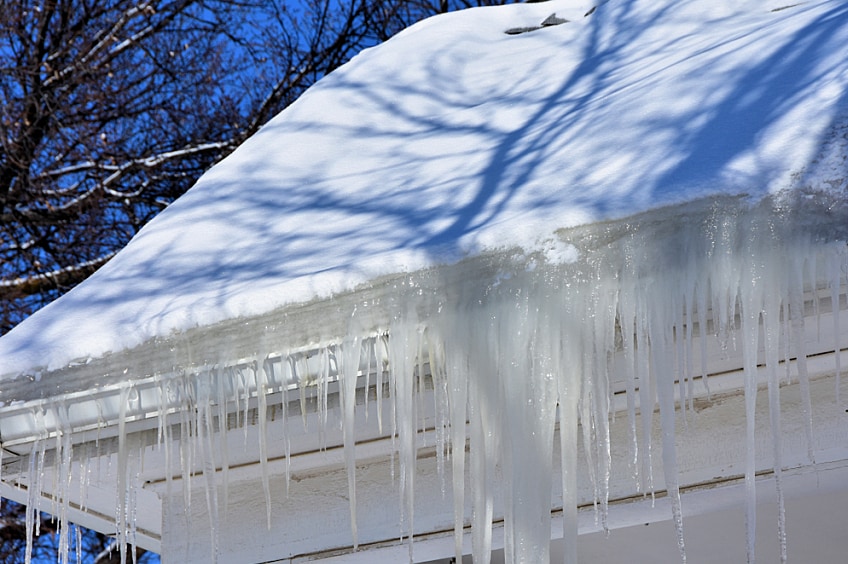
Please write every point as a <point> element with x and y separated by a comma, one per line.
<point>515,211</point>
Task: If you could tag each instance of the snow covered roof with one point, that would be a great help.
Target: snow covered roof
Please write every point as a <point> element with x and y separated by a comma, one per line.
<point>596,205</point>
<point>454,139</point>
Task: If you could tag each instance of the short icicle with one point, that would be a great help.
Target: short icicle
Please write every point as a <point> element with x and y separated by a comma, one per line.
<point>836,259</point>
<point>798,337</point>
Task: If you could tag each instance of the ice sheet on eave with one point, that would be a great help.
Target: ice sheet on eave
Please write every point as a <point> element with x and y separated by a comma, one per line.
<point>455,138</point>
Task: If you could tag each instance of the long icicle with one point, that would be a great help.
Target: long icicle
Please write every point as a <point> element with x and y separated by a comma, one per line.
<point>751,298</point>
<point>348,375</point>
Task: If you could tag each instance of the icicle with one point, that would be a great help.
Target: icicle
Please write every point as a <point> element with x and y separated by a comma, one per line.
<point>626,314</point>
<point>527,425</point>
<point>586,407</point>
<point>348,369</point>
<point>36,467</point>
<point>186,454</point>
<point>771,330</point>
<point>835,275</point>
<point>502,358</point>
<point>365,354</point>
<point>457,376</point>
<point>84,477</point>
<point>241,373</point>
<point>64,457</point>
<point>261,391</point>
<point>660,335</point>
<point>123,482</point>
<point>132,502</point>
<point>689,369</point>
<point>569,392</point>
<point>810,264</point>
<point>486,401</point>
<point>436,354</point>
<point>482,464</point>
<point>39,483</point>
<point>220,388</point>
<point>205,433</point>
<point>402,343</point>
<point>323,385</point>
<point>300,370</point>
<point>646,398</point>
<point>287,446</point>
<point>379,356</point>
<point>165,432</point>
<point>796,313</point>
<point>512,400</point>
<point>603,315</point>
<point>702,293</point>
<point>419,382</point>
<point>287,378</point>
<point>677,322</point>
<point>751,295</point>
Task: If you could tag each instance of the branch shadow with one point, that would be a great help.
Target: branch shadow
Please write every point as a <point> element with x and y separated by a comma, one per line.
<point>404,159</point>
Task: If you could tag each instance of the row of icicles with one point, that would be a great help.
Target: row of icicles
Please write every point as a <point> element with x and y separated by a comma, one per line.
<point>514,365</point>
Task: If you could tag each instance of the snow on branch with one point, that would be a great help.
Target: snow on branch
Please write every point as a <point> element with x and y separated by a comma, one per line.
<point>67,276</point>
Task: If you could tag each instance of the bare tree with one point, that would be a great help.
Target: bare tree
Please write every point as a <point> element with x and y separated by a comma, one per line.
<point>108,111</point>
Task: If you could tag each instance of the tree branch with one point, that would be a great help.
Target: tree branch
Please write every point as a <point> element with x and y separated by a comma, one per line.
<point>60,278</point>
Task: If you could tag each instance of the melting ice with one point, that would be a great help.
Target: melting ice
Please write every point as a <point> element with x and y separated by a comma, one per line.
<point>520,352</point>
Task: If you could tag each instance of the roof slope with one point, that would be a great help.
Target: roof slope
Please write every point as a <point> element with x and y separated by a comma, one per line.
<point>454,138</point>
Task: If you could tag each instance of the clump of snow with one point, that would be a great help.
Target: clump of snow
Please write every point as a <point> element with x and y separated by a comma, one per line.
<point>558,252</point>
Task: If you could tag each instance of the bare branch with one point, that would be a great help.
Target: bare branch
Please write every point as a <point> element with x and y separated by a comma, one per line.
<point>68,276</point>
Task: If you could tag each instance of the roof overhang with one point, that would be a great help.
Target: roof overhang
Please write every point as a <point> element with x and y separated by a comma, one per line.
<point>260,377</point>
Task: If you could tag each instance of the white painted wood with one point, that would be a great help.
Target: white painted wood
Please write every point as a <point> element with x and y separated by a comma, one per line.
<point>312,522</point>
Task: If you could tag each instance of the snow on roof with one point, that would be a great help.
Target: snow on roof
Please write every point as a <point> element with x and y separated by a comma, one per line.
<point>455,138</point>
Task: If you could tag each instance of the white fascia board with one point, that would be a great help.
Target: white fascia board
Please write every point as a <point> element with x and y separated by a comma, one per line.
<point>710,456</point>
<point>97,510</point>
